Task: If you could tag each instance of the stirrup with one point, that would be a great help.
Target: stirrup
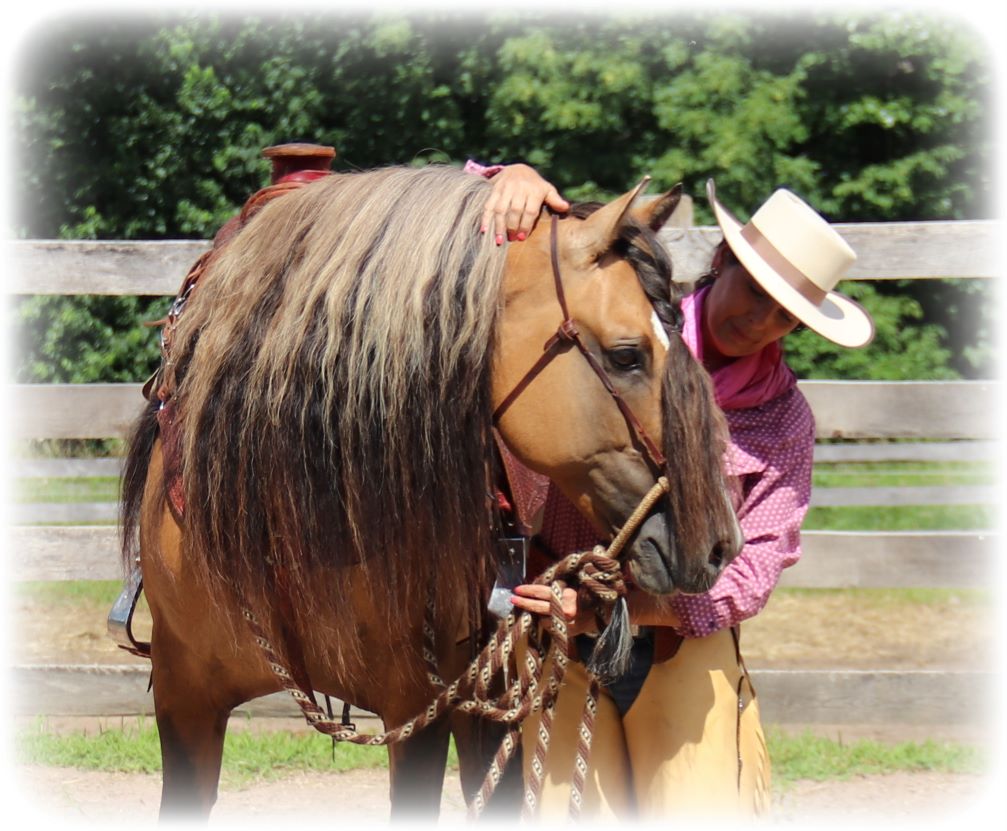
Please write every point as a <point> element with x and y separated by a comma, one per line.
<point>120,618</point>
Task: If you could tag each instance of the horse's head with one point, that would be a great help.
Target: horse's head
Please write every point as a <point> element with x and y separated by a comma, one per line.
<point>567,425</point>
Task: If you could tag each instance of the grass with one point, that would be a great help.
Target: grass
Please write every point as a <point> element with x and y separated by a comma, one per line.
<point>898,517</point>
<point>902,474</point>
<point>888,598</point>
<point>78,489</point>
<point>102,592</point>
<point>252,756</point>
<point>902,518</point>
<point>807,756</point>
<point>69,592</point>
<point>249,756</point>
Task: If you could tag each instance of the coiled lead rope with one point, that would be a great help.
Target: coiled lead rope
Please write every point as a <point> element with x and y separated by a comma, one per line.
<point>600,575</point>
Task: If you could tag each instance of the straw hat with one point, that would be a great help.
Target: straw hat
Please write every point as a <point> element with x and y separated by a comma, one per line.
<point>798,258</point>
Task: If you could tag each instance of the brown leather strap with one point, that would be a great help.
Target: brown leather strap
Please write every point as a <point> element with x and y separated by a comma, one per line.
<point>552,347</point>
<point>656,456</point>
<point>666,643</point>
<point>736,636</point>
<point>554,257</point>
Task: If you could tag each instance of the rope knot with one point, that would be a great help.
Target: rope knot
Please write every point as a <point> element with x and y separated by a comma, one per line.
<point>601,581</point>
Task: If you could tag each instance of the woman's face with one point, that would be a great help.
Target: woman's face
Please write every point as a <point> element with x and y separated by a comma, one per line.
<point>739,317</point>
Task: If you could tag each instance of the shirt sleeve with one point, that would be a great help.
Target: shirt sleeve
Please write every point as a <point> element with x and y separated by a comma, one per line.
<point>488,171</point>
<point>771,452</point>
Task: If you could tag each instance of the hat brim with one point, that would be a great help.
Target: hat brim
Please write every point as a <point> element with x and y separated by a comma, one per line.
<point>839,318</point>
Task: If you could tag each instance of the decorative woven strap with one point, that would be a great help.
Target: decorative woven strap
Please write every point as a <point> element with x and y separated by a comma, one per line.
<point>469,693</point>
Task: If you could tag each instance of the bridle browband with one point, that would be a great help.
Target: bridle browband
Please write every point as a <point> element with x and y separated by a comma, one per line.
<point>568,333</point>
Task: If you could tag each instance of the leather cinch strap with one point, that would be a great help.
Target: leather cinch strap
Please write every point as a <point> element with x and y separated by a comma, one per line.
<point>568,333</point>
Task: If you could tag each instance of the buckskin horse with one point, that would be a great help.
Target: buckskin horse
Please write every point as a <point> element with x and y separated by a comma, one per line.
<point>326,455</point>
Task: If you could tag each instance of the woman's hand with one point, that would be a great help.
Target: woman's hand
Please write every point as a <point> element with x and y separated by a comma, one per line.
<point>516,200</point>
<point>535,598</point>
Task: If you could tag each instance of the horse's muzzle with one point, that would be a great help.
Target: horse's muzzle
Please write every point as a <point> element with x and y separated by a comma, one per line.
<point>659,566</point>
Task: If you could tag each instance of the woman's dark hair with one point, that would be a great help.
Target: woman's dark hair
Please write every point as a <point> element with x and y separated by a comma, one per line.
<point>729,259</point>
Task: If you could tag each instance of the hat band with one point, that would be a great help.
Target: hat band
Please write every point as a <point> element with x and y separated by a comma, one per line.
<point>792,275</point>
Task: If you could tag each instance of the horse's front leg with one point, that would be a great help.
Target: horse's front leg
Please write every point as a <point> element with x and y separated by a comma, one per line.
<point>477,741</point>
<point>191,727</point>
<point>417,772</point>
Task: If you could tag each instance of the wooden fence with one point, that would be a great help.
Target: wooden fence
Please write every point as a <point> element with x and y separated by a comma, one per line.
<point>960,414</point>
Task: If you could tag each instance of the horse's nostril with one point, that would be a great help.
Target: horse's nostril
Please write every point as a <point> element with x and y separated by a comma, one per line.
<point>716,560</point>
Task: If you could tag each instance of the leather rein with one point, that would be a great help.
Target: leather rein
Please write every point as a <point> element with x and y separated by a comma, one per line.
<point>568,333</point>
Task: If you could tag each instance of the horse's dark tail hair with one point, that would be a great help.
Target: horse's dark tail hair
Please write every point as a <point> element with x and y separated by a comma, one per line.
<point>133,480</point>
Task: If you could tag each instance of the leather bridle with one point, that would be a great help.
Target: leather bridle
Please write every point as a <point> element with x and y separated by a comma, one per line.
<point>567,333</point>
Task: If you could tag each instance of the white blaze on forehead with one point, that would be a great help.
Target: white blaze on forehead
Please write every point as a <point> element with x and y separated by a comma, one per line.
<point>662,336</point>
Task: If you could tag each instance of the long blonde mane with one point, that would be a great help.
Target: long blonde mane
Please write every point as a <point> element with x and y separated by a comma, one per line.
<point>334,390</point>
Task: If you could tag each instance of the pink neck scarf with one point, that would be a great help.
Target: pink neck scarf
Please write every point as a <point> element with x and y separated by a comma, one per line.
<point>744,382</point>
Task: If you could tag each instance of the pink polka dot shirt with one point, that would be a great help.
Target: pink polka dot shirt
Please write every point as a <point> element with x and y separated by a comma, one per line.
<point>770,452</point>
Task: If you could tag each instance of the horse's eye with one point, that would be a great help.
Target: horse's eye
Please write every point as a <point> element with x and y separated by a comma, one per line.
<point>625,358</point>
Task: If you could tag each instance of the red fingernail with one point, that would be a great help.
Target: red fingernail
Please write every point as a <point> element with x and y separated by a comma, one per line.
<point>482,229</point>
<point>499,239</point>
<point>521,236</point>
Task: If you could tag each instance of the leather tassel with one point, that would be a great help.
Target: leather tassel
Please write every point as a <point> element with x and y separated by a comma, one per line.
<point>611,654</point>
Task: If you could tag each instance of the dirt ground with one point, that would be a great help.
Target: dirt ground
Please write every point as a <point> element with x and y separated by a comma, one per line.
<point>795,631</point>
<point>54,794</point>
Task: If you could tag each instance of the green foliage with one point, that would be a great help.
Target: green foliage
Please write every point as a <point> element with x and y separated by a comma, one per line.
<point>904,347</point>
<point>152,128</point>
<point>85,338</point>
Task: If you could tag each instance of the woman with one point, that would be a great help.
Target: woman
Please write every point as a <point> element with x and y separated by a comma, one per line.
<point>680,733</point>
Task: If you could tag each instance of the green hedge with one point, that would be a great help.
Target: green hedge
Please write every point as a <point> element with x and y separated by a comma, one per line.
<point>151,127</point>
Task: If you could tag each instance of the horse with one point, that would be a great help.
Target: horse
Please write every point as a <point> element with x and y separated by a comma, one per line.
<point>334,381</point>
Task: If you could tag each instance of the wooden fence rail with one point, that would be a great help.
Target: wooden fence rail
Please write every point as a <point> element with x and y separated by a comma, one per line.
<point>831,559</point>
<point>960,414</point>
<point>887,251</point>
<point>843,409</point>
<point>917,697</point>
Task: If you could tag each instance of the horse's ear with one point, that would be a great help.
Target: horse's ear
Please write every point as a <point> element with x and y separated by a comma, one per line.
<point>658,210</point>
<point>596,234</point>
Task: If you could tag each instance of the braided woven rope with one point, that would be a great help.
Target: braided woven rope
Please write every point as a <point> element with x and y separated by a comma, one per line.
<point>599,573</point>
